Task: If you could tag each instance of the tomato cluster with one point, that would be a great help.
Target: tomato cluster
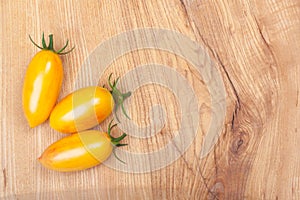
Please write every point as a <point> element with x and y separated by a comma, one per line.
<point>75,113</point>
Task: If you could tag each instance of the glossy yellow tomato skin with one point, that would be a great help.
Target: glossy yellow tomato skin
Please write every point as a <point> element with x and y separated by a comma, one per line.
<point>41,87</point>
<point>82,110</point>
<point>78,151</point>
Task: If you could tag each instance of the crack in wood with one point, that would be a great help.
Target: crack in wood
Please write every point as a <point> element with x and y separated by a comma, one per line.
<point>215,160</point>
<point>266,43</point>
<point>216,55</point>
<point>199,170</point>
<point>183,158</point>
<point>261,34</point>
<point>206,185</point>
<point>4,177</point>
<point>185,9</point>
<point>238,103</point>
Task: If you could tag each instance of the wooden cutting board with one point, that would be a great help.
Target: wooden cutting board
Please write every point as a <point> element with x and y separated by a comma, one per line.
<point>255,47</point>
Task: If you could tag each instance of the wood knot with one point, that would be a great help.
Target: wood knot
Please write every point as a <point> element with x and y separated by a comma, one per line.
<point>217,191</point>
<point>239,143</point>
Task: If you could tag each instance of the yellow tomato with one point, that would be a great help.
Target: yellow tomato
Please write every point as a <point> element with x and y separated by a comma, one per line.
<point>81,110</point>
<point>80,150</point>
<point>42,84</point>
<point>86,108</point>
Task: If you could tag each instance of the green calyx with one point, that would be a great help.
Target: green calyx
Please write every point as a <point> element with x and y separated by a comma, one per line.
<point>115,141</point>
<point>50,45</point>
<point>119,97</point>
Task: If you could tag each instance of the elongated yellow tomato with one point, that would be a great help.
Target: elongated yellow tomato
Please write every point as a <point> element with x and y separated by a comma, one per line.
<point>42,84</point>
<point>85,108</point>
<point>80,150</point>
<point>82,110</point>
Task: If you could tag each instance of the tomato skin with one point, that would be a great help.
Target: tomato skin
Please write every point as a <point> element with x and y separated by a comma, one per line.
<point>82,109</point>
<point>78,151</point>
<point>42,85</point>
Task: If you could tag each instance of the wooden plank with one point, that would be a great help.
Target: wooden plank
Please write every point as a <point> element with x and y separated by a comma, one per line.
<point>255,43</point>
<point>255,47</point>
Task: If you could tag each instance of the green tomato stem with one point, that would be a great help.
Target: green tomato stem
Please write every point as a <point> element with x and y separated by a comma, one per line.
<point>118,96</point>
<point>115,141</point>
<point>50,45</point>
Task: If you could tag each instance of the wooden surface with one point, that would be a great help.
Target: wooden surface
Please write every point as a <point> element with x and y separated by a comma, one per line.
<point>255,45</point>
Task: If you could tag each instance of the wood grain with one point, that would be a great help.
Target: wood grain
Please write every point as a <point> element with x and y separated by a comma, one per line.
<point>255,45</point>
